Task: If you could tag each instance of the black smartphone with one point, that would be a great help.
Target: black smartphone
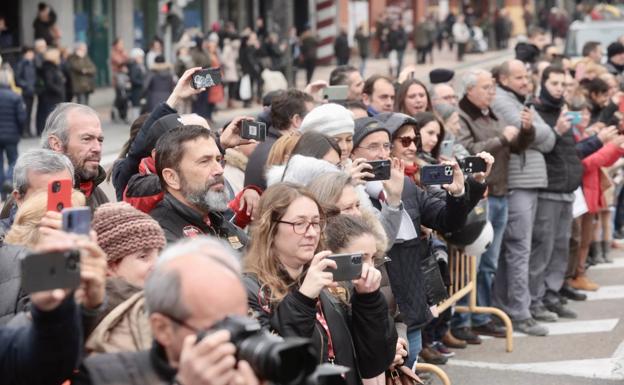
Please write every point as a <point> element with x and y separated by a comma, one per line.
<point>48,271</point>
<point>253,129</point>
<point>529,101</point>
<point>77,220</point>
<point>472,164</point>
<point>436,174</point>
<point>206,78</point>
<point>380,168</point>
<point>348,266</point>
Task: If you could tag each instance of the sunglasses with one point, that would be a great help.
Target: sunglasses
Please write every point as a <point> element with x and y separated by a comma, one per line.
<point>407,140</point>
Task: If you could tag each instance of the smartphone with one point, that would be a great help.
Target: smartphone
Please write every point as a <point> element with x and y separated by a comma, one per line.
<point>529,102</point>
<point>206,78</point>
<point>575,117</point>
<point>348,266</point>
<point>335,93</point>
<point>48,271</point>
<point>252,129</point>
<point>446,148</point>
<point>380,168</point>
<point>436,174</point>
<point>77,220</point>
<point>472,164</point>
<point>59,194</point>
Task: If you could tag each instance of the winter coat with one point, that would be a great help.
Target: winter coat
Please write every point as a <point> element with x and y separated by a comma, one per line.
<point>11,295</point>
<point>44,351</point>
<point>53,84</point>
<point>26,76</point>
<point>82,73</point>
<point>118,59</point>
<point>592,186</point>
<point>234,169</point>
<point>95,195</point>
<point>363,335</point>
<point>180,221</point>
<point>563,164</point>
<point>363,42</point>
<point>586,147</point>
<point>308,47</point>
<point>527,169</point>
<point>397,39</point>
<point>255,171</point>
<point>341,48</point>
<point>125,328</point>
<point>43,29</point>
<point>136,73</point>
<point>404,269</point>
<point>216,93</point>
<point>229,58</point>
<point>144,191</point>
<point>479,133</point>
<point>249,61</point>
<point>158,85</point>
<point>141,148</point>
<point>461,33</point>
<point>13,115</point>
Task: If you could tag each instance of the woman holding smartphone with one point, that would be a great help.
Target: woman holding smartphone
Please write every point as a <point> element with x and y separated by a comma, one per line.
<point>288,287</point>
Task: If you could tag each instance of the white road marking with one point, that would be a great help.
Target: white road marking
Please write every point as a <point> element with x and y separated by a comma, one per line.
<point>574,327</point>
<point>617,264</point>
<point>606,292</point>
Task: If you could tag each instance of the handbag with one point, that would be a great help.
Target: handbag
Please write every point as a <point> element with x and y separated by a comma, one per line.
<point>244,90</point>
<point>402,375</point>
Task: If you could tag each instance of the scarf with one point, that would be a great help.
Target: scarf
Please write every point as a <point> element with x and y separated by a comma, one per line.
<point>411,170</point>
<point>619,68</point>
<point>521,98</point>
<point>549,101</point>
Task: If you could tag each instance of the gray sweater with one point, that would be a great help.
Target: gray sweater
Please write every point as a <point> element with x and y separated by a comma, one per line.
<point>527,170</point>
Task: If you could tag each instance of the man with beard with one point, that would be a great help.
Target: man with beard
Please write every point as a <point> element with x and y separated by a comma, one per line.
<point>188,163</point>
<point>74,130</point>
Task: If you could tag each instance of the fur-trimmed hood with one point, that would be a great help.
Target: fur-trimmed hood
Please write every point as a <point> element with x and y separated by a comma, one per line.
<point>299,169</point>
<point>236,159</point>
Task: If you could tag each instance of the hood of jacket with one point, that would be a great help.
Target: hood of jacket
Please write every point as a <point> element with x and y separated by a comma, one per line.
<point>236,159</point>
<point>299,169</point>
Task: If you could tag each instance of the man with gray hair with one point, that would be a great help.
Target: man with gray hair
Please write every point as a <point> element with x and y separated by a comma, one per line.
<point>75,130</point>
<point>184,296</point>
<point>34,169</point>
<point>526,176</point>
<point>443,93</point>
<point>483,130</point>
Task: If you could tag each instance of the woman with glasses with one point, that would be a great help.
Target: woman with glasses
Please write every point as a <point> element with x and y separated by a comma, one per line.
<point>288,287</point>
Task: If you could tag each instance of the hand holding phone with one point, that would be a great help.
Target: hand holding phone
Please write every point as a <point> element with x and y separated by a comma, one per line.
<point>253,129</point>
<point>59,194</point>
<point>436,174</point>
<point>575,117</point>
<point>50,270</point>
<point>473,164</point>
<point>348,266</point>
<point>77,220</point>
<point>335,93</point>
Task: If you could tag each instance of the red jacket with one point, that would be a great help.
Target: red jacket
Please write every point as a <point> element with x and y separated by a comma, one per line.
<point>592,189</point>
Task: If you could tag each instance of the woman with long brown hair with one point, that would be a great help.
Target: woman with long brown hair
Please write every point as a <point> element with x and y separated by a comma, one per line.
<point>288,274</point>
<point>412,98</point>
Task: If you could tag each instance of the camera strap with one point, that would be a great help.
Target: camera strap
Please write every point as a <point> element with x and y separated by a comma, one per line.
<point>320,317</point>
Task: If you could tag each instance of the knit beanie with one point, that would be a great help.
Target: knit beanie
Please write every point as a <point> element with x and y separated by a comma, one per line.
<point>330,119</point>
<point>366,126</point>
<point>615,48</point>
<point>121,230</point>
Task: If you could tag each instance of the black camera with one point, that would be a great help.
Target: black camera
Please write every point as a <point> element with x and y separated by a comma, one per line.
<point>282,361</point>
<point>251,129</point>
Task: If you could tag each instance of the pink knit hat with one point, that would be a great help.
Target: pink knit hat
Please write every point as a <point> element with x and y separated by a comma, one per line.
<point>121,230</point>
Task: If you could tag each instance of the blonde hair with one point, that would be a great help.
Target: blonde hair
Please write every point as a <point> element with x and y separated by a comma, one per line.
<point>25,228</point>
<point>260,259</point>
<point>282,149</point>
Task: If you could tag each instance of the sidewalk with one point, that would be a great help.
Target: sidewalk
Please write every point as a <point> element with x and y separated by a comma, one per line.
<point>102,98</point>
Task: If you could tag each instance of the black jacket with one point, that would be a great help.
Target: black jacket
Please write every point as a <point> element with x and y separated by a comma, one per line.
<point>565,171</point>
<point>158,85</point>
<point>255,171</point>
<point>53,84</point>
<point>127,368</point>
<point>43,29</point>
<point>180,221</point>
<point>406,257</point>
<point>13,116</point>
<point>363,334</point>
<point>44,351</point>
<point>341,48</point>
<point>140,148</point>
<point>588,146</point>
<point>26,76</point>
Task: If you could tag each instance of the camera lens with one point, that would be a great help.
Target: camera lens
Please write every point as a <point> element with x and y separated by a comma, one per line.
<point>356,259</point>
<point>71,263</point>
<point>60,206</point>
<point>56,187</point>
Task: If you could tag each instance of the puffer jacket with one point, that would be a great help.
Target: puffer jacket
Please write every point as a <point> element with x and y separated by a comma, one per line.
<point>592,186</point>
<point>527,169</point>
<point>363,334</point>
<point>13,116</point>
<point>11,295</point>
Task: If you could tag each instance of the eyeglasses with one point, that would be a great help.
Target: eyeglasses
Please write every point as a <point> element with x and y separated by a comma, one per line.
<point>302,227</point>
<point>182,323</point>
<point>378,146</point>
<point>450,98</point>
<point>407,140</point>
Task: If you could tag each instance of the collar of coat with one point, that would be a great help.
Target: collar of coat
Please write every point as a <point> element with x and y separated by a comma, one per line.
<point>213,220</point>
<point>473,111</point>
<point>520,98</point>
<point>158,358</point>
<point>87,186</point>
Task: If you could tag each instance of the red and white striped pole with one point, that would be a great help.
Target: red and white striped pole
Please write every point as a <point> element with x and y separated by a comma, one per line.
<point>326,31</point>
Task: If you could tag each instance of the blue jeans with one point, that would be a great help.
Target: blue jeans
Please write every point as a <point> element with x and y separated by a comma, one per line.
<point>487,265</point>
<point>414,339</point>
<point>11,153</point>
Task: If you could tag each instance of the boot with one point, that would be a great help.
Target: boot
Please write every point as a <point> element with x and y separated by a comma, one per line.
<point>605,247</point>
<point>593,254</point>
<point>581,282</point>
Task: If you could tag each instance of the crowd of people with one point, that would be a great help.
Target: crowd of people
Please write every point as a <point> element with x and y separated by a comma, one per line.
<point>214,236</point>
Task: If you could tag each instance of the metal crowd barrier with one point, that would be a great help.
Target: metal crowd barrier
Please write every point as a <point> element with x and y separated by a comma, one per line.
<point>463,271</point>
